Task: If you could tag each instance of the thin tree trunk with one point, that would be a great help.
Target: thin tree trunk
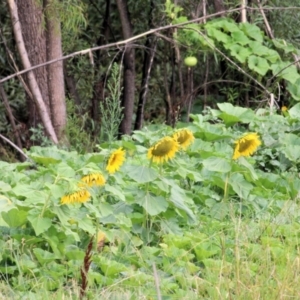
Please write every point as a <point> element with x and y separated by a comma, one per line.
<point>55,71</point>
<point>129,69</point>
<point>148,61</point>
<point>43,112</point>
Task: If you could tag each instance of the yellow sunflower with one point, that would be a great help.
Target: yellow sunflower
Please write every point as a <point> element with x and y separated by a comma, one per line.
<point>92,180</point>
<point>184,137</point>
<point>80,196</point>
<point>163,150</point>
<point>115,161</point>
<point>246,145</point>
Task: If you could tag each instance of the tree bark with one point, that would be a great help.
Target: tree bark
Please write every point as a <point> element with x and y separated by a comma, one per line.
<point>55,74</point>
<point>34,36</point>
<point>33,84</point>
<point>129,69</point>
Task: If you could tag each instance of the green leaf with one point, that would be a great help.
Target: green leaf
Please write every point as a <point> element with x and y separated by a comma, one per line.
<point>240,38</point>
<point>258,48</point>
<point>43,256</point>
<point>39,224</point>
<point>64,170</point>
<point>240,185</point>
<point>244,162</point>
<point>234,114</point>
<point>283,45</point>
<point>258,64</point>
<point>115,191</point>
<point>141,174</point>
<point>218,35</point>
<point>209,132</point>
<point>111,268</point>
<point>15,217</point>
<point>217,164</point>
<point>153,205</point>
<point>177,197</point>
<point>33,195</point>
<point>239,52</point>
<point>286,71</point>
<point>252,31</point>
<point>294,89</point>
<point>4,187</point>
<point>292,152</point>
<point>294,111</point>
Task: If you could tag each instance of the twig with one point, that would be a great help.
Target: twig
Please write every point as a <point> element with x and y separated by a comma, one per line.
<point>13,145</point>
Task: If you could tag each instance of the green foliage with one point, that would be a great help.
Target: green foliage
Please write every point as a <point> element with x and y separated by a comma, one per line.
<point>245,45</point>
<point>111,110</point>
<point>196,216</point>
<point>78,136</point>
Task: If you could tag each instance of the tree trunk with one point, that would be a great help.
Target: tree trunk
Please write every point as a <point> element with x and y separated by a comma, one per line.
<point>32,82</point>
<point>129,69</point>
<point>31,20</point>
<point>55,71</point>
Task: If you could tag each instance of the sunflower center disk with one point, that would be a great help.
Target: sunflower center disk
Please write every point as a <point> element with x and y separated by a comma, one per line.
<point>244,145</point>
<point>163,148</point>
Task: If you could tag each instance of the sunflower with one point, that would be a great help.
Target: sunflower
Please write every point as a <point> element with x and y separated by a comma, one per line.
<point>163,150</point>
<point>115,161</point>
<point>92,179</point>
<point>246,145</point>
<point>184,137</point>
<point>80,196</point>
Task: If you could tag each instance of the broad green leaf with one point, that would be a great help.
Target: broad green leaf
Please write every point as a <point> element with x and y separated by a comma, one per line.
<point>43,256</point>
<point>252,31</point>
<point>244,162</point>
<point>286,70</point>
<point>292,152</point>
<point>141,174</point>
<point>5,204</point>
<point>177,197</point>
<point>115,191</point>
<point>217,164</point>
<point>294,111</point>
<point>31,193</point>
<point>240,185</point>
<point>258,65</point>
<point>240,38</point>
<point>42,160</point>
<point>239,52</point>
<point>39,224</point>
<point>218,35</point>
<point>110,268</point>
<point>4,187</point>
<point>15,217</point>
<point>233,114</point>
<point>258,48</point>
<point>64,170</point>
<point>210,133</point>
<point>291,139</point>
<point>294,89</point>
<point>153,205</point>
<point>283,45</point>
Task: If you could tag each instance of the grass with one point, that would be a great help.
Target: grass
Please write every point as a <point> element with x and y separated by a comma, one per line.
<point>244,259</point>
